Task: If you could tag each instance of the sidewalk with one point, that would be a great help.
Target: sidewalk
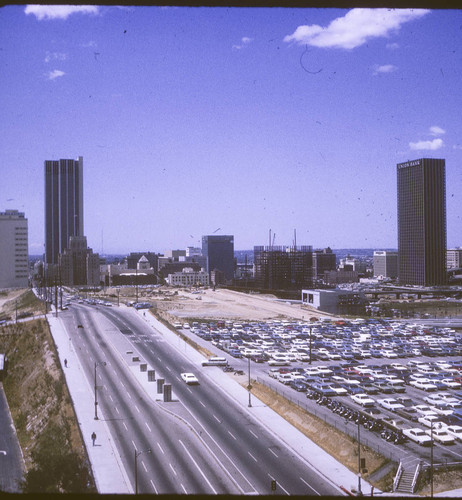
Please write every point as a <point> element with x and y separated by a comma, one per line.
<point>108,471</point>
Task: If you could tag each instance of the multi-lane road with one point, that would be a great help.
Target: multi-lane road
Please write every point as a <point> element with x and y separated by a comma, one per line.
<point>205,444</point>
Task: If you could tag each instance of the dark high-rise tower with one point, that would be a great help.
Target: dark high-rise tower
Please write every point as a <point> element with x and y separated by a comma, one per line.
<point>63,205</point>
<point>219,251</point>
<point>422,222</point>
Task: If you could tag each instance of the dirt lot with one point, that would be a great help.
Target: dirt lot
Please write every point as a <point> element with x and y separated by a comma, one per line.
<point>219,304</point>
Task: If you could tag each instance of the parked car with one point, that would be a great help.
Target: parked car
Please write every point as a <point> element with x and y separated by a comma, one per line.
<point>298,385</point>
<point>432,420</point>
<point>441,435</point>
<point>363,399</point>
<point>390,404</point>
<point>455,430</point>
<point>418,436</point>
<point>383,387</point>
<point>423,385</point>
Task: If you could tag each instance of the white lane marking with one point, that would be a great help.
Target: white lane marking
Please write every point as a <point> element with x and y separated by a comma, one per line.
<point>184,489</point>
<point>155,489</point>
<point>178,378</point>
<point>134,445</point>
<point>110,397</point>
<point>160,447</point>
<point>225,454</point>
<point>273,452</point>
<point>168,368</point>
<point>252,456</point>
<point>189,389</point>
<point>126,428</point>
<point>202,403</point>
<point>148,426</point>
<point>216,418</point>
<point>137,409</point>
<point>171,467</point>
<point>234,437</point>
<point>159,358</point>
<point>282,487</point>
<point>198,468</point>
<point>253,433</point>
<point>128,394</point>
<point>117,410</point>
<point>309,486</point>
<point>122,384</point>
<point>142,463</point>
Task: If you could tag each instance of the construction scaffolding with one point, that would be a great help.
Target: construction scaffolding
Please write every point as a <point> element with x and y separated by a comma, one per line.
<point>283,268</point>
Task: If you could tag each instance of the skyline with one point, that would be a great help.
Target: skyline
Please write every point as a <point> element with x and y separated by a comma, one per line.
<point>243,119</point>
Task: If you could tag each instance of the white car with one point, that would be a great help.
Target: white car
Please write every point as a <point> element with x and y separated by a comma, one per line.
<point>362,399</point>
<point>390,404</point>
<point>424,385</point>
<point>418,435</point>
<point>451,384</point>
<point>190,378</point>
<point>433,399</point>
<point>455,430</point>
<point>443,409</point>
<point>432,420</point>
<point>425,410</point>
<point>441,435</point>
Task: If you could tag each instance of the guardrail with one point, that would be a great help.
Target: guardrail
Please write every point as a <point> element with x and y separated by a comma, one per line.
<point>399,473</point>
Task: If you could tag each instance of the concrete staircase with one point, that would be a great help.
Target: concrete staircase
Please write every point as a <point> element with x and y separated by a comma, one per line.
<point>405,484</point>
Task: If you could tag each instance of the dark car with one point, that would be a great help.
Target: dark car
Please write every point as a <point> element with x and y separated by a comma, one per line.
<point>298,385</point>
<point>383,387</point>
<point>352,388</point>
<point>369,388</point>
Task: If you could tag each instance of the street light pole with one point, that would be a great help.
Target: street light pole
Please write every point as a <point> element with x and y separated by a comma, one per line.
<point>96,388</point>
<point>137,454</point>
<point>431,460</point>
<point>359,459</point>
<point>310,343</point>
<point>249,386</point>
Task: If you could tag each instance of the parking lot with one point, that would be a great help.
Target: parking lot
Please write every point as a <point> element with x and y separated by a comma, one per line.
<point>389,377</point>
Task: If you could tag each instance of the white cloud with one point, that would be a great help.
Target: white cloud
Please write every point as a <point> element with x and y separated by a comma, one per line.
<point>435,130</point>
<point>457,146</point>
<point>245,40</point>
<point>392,46</point>
<point>56,73</point>
<point>55,56</point>
<point>59,11</point>
<point>430,145</point>
<point>355,28</point>
<point>385,68</point>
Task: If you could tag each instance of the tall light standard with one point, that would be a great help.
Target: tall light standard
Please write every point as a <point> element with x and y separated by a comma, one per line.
<point>431,459</point>
<point>97,363</point>
<point>249,386</point>
<point>359,459</point>
<point>310,343</point>
<point>137,454</point>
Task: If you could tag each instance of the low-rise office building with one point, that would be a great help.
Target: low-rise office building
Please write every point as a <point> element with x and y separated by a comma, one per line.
<point>335,301</point>
<point>188,277</point>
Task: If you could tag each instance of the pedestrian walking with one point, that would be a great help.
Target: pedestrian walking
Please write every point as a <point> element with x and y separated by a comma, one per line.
<point>93,438</point>
<point>65,363</point>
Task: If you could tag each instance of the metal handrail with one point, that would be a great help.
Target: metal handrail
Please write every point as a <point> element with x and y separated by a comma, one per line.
<point>416,476</point>
<point>399,472</point>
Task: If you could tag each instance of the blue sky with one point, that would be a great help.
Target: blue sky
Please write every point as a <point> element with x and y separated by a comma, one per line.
<point>243,120</point>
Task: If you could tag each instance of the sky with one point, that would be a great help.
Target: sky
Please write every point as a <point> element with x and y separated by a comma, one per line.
<point>213,120</point>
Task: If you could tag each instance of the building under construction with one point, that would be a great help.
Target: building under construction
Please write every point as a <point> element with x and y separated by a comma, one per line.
<point>283,268</point>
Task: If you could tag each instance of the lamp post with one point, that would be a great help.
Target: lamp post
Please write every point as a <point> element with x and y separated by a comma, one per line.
<point>431,460</point>
<point>310,343</point>
<point>97,363</point>
<point>359,459</point>
<point>137,454</point>
<point>249,386</point>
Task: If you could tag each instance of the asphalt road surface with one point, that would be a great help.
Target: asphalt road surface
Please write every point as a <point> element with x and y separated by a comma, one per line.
<point>215,447</point>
